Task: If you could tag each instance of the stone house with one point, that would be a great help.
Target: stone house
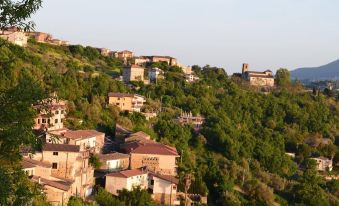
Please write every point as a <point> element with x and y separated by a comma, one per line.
<point>68,162</point>
<point>260,79</point>
<point>91,140</point>
<point>156,157</point>
<point>41,36</point>
<point>127,102</point>
<point>188,118</point>
<point>169,60</point>
<point>133,73</point>
<point>127,179</point>
<point>324,164</point>
<point>14,36</point>
<point>123,55</point>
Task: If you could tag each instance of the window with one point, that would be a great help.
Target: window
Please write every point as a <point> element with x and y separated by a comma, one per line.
<point>38,121</point>
<point>62,111</point>
<point>44,121</point>
<point>55,153</point>
<point>152,182</point>
<point>174,187</point>
<point>57,112</point>
<point>56,121</point>
<point>117,104</point>
<point>62,120</point>
<point>55,165</point>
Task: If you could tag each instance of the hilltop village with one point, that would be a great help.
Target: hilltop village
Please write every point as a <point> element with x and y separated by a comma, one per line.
<point>75,162</point>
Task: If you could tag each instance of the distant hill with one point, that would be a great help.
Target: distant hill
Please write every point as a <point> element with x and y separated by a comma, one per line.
<point>327,72</point>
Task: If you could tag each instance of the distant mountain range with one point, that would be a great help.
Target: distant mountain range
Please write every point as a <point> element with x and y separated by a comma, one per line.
<point>327,72</point>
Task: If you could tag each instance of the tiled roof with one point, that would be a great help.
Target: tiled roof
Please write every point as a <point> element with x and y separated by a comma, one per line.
<point>167,178</point>
<point>111,94</point>
<point>62,185</point>
<point>61,148</point>
<point>30,163</point>
<point>127,173</point>
<point>81,134</point>
<point>113,156</point>
<point>137,136</point>
<point>155,148</point>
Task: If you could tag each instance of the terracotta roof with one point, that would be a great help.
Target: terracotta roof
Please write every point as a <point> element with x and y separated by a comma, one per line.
<point>167,178</point>
<point>61,148</point>
<point>81,134</point>
<point>111,94</point>
<point>113,156</point>
<point>30,163</point>
<point>122,129</point>
<point>155,148</point>
<point>127,173</point>
<point>138,136</point>
<point>62,184</point>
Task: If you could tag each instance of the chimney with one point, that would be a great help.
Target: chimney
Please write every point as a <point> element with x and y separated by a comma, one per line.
<point>245,67</point>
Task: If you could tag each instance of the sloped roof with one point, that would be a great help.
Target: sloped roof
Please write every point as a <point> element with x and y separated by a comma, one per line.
<point>62,184</point>
<point>167,178</point>
<point>155,148</point>
<point>30,163</point>
<point>61,148</point>
<point>127,173</point>
<point>81,134</point>
<point>113,156</point>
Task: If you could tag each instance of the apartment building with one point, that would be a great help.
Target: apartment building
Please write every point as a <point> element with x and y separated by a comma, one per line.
<point>127,179</point>
<point>260,79</point>
<point>133,73</point>
<point>189,118</point>
<point>51,115</point>
<point>127,102</point>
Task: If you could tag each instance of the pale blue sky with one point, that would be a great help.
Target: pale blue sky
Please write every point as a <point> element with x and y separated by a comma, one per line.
<point>267,34</point>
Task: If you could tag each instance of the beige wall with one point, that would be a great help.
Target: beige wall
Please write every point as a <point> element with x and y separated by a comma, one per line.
<point>164,192</point>
<point>15,37</point>
<point>119,164</point>
<point>57,197</point>
<point>55,121</point>
<point>164,164</point>
<point>133,74</point>
<point>261,81</point>
<point>124,103</point>
<point>113,184</point>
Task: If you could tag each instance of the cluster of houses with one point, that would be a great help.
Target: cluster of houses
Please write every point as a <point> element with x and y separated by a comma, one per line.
<point>20,38</point>
<point>62,166</point>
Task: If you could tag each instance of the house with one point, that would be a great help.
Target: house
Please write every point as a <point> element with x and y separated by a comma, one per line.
<point>41,36</point>
<point>155,157</point>
<point>91,140</point>
<point>114,161</point>
<point>154,74</point>
<point>163,188</point>
<point>149,115</point>
<point>188,118</point>
<point>127,179</point>
<point>68,162</point>
<point>261,79</point>
<point>169,60</point>
<point>133,73</point>
<point>191,78</point>
<point>141,61</point>
<point>185,69</point>
<point>104,51</point>
<point>51,114</point>
<point>122,55</point>
<point>323,164</point>
<point>14,36</point>
<point>36,168</point>
<point>127,102</point>
<point>58,42</point>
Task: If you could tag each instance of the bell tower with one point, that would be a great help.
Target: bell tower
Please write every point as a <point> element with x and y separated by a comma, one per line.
<point>245,68</point>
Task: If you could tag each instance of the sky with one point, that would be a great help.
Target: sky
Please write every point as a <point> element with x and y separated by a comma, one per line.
<point>267,34</point>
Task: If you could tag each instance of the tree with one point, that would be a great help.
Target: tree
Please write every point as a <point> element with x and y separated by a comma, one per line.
<point>136,197</point>
<point>15,13</point>
<point>94,161</point>
<point>104,198</point>
<point>283,77</point>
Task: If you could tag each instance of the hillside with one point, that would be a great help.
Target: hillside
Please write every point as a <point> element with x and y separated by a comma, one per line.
<point>327,72</point>
<point>241,146</point>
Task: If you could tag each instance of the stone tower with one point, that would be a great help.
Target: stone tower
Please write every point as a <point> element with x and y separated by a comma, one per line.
<point>245,68</point>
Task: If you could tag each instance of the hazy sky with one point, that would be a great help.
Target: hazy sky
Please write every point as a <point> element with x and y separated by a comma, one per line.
<point>267,34</point>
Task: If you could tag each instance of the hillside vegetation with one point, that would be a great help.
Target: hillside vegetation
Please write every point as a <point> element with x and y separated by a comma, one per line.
<point>238,158</point>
